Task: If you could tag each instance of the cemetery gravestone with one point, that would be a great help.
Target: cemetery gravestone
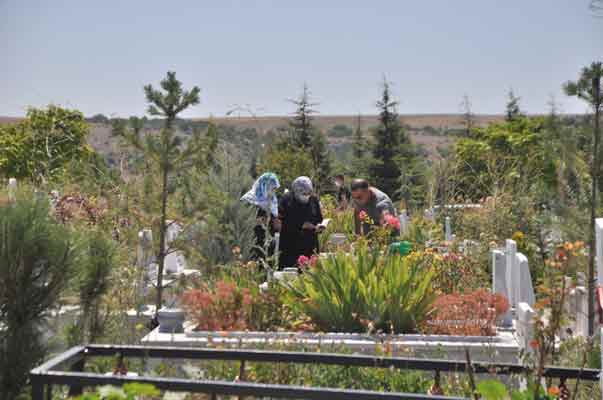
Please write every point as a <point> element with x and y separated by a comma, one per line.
<point>499,282</point>
<point>511,272</point>
<point>525,290</point>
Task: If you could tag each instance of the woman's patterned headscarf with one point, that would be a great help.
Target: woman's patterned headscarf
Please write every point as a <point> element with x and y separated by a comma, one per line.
<point>262,193</point>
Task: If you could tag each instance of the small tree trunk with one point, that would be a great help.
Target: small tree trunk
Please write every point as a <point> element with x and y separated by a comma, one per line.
<point>165,166</point>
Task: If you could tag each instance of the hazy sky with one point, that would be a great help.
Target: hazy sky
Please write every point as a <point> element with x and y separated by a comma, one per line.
<point>97,55</point>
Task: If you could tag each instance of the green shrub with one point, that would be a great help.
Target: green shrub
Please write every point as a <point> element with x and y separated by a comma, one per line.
<point>36,260</point>
<point>364,291</point>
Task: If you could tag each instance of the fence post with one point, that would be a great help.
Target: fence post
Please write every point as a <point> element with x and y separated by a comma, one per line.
<point>37,388</point>
<point>75,389</point>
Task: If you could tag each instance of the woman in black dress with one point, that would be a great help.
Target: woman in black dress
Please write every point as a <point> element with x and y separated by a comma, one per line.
<point>301,222</point>
<point>263,196</point>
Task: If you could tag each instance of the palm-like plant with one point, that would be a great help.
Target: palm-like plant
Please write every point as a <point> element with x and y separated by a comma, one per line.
<point>364,292</point>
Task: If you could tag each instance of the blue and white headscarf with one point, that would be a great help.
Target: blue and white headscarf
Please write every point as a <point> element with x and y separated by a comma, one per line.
<point>262,193</point>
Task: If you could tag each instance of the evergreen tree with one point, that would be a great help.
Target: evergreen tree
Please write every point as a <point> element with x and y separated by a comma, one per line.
<point>588,88</point>
<point>513,111</point>
<point>384,167</point>
<point>306,137</point>
<point>301,129</point>
<point>359,152</point>
<point>167,152</point>
<point>468,116</point>
<point>321,159</point>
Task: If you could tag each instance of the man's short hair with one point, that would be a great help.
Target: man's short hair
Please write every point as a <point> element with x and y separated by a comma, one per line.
<point>359,184</point>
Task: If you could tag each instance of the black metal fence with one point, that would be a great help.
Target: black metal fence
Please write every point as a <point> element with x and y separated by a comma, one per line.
<point>68,369</point>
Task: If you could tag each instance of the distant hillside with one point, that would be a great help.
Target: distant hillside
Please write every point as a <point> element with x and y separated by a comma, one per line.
<point>434,132</point>
<point>326,122</point>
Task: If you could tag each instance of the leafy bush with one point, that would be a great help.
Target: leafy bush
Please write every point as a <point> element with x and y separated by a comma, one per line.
<point>234,301</point>
<point>469,314</point>
<point>37,258</point>
<point>453,272</point>
<point>219,308</point>
<point>44,143</point>
<point>363,291</point>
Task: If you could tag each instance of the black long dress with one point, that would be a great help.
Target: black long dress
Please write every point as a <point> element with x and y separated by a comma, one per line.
<point>260,235</point>
<point>296,241</point>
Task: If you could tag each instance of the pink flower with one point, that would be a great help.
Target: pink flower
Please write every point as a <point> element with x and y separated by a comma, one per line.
<point>303,261</point>
<point>362,215</point>
<point>392,221</point>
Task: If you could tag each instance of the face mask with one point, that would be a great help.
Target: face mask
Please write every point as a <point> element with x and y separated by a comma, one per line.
<point>303,198</point>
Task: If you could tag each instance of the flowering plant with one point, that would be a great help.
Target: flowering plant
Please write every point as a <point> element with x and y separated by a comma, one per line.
<point>453,272</point>
<point>221,307</point>
<point>392,222</point>
<point>304,262</point>
<point>469,314</point>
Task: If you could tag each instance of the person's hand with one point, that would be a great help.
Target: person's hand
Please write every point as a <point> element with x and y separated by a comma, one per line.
<point>277,224</point>
<point>308,226</point>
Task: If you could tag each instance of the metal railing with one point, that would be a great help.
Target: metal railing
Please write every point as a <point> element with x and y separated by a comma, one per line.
<point>68,369</point>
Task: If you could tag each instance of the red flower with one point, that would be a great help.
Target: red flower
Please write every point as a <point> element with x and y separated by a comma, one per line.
<point>392,221</point>
<point>362,215</point>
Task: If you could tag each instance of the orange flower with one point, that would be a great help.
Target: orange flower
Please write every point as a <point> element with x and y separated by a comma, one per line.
<point>534,344</point>
<point>554,391</point>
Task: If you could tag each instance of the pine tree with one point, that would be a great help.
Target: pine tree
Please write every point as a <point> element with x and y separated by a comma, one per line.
<point>301,128</point>
<point>167,151</point>
<point>513,110</point>
<point>306,137</point>
<point>384,169</point>
<point>588,88</point>
<point>468,116</point>
<point>321,158</point>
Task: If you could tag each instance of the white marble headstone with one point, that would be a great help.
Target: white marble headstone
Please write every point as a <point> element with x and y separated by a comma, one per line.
<point>448,230</point>
<point>12,188</point>
<point>599,249</point>
<point>525,326</point>
<point>525,290</point>
<point>511,271</point>
<point>499,281</point>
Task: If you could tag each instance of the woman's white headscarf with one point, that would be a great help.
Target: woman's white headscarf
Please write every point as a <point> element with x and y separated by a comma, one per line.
<point>302,185</point>
<point>262,193</point>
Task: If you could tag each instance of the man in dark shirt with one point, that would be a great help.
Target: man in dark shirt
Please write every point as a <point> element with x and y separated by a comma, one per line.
<point>372,202</point>
<point>343,193</point>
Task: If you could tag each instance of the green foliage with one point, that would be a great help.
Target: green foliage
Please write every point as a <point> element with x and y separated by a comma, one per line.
<point>37,257</point>
<point>342,221</point>
<point>492,390</point>
<point>167,153</point>
<point>41,146</point>
<point>500,156</point>
<point>226,221</point>
<point>340,131</point>
<point>301,129</point>
<point>287,163</point>
<point>384,168</point>
<point>129,391</point>
<point>363,291</point>
<point>316,375</point>
<point>360,160</point>
<point>92,281</point>
<point>513,112</point>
